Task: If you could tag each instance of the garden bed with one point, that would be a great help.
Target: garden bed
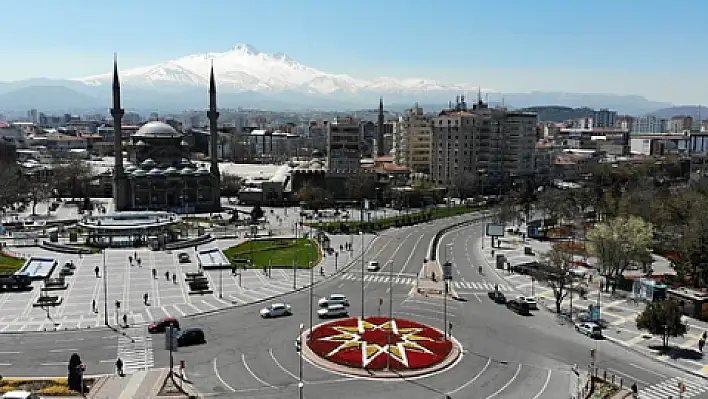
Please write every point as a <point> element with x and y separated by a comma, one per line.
<point>42,387</point>
<point>574,248</point>
<point>10,264</point>
<point>375,344</point>
<point>276,252</point>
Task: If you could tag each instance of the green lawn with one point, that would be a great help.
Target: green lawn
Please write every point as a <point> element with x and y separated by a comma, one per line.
<point>10,264</point>
<point>277,252</point>
<point>393,221</point>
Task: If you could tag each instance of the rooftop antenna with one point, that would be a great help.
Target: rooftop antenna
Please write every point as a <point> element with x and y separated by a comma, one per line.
<point>479,95</point>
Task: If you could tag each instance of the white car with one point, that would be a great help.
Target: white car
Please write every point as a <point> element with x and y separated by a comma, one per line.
<point>533,305</point>
<point>373,266</point>
<point>20,395</point>
<point>276,310</point>
<point>590,329</point>
<point>333,299</point>
<point>336,310</point>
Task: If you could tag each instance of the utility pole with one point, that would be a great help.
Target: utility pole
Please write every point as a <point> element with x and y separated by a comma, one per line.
<point>294,273</point>
<point>361,232</point>
<point>312,287</point>
<point>390,316</point>
<point>105,289</point>
<point>300,384</point>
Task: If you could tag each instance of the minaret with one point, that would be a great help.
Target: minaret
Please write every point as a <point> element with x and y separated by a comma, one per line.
<point>117,113</point>
<point>213,116</point>
<point>381,129</point>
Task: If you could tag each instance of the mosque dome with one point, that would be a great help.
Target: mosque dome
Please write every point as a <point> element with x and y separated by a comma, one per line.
<point>157,129</point>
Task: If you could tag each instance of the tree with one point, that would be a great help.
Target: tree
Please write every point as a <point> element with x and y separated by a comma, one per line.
<point>230,185</point>
<point>618,243</point>
<point>465,185</point>
<point>71,178</point>
<point>361,185</point>
<point>37,191</point>
<point>10,182</point>
<point>314,198</point>
<point>558,274</point>
<point>662,318</point>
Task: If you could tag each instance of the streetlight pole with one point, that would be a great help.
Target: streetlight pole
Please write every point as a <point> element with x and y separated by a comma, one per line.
<point>221,283</point>
<point>312,285</point>
<point>445,282</point>
<point>362,273</point>
<point>105,289</point>
<point>294,273</point>
<point>390,316</point>
<point>300,383</point>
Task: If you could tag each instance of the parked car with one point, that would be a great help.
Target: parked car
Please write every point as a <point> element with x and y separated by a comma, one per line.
<point>183,257</point>
<point>533,305</point>
<point>373,266</point>
<point>592,330</point>
<point>333,299</point>
<point>335,310</point>
<point>497,297</point>
<point>160,326</point>
<point>191,336</point>
<point>276,310</point>
<point>520,307</point>
<point>20,395</point>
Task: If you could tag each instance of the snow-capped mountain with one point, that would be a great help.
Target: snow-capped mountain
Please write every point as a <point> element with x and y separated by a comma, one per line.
<point>244,68</point>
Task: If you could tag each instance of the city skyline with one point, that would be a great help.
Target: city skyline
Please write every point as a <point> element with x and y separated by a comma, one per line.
<point>554,46</point>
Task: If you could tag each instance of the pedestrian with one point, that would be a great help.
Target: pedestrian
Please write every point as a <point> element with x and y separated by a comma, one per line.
<point>705,335</point>
<point>139,262</point>
<point>93,306</point>
<point>701,344</point>
<point>119,367</point>
<point>634,388</point>
<point>145,298</point>
<point>174,278</point>
<point>167,275</point>
<point>154,273</point>
<point>130,259</point>
<point>96,270</point>
<point>125,319</point>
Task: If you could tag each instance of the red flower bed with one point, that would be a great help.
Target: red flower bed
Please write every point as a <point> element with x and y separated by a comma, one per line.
<point>365,343</point>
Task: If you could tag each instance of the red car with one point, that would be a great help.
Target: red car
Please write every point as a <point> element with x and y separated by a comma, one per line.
<point>161,325</point>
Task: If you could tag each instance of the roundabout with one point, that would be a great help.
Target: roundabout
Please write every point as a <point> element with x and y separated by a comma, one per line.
<point>379,347</point>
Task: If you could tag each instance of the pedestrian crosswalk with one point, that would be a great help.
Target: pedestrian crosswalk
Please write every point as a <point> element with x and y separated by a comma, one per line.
<point>135,350</point>
<point>472,285</point>
<point>672,388</point>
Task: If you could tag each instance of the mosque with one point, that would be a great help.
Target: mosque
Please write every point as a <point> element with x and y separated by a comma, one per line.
<point>162,177</point>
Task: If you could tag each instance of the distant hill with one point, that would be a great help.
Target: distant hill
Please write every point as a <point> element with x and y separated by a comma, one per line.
<point>557,113</point>
<point>690,110</point>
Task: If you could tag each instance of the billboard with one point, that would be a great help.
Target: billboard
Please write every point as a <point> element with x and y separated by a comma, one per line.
<point>495,230</point>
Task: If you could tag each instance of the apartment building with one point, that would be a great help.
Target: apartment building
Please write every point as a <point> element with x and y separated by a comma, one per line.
<point>495,145</point>
<point>604,118</point>
<point>679,124</point>
<point>413,140</point>
<point>648,125</point>
<point>344,144</point>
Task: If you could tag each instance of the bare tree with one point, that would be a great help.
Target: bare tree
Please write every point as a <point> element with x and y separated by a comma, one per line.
<point>37,191</point>
<point>558,274</point>
<point>465,185</point>
<point>10,182</point>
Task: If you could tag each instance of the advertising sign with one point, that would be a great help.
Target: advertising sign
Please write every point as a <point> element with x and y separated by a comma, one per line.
<point>495,230</point>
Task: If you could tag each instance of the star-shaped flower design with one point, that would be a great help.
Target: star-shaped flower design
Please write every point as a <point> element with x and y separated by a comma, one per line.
<point>374,340</point>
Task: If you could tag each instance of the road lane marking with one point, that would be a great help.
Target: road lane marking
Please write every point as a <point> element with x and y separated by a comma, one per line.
<point>647,370</point>
<point>277,363</point>
<point>5,364</point>
<point>216,372</point>
<point>243,360</point>
<point>628,376</point>
<point>53,364</point>
<point>505,386</point>
<point>389,262</point>
<point>63,350</point>
<point>470,382</point>
<point>545,385</point>
<point>408,260</point>
<point>10,353</point>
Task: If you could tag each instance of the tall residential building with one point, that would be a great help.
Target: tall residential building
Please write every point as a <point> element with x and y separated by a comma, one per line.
<point>492,145</point>
<point>604,118</point>
<point>412,141</point>
<point>679,124</point>
<point>344,144</point>
<point>648,124</point>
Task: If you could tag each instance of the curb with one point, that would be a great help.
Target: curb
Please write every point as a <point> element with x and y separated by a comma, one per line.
<point>666,362</point>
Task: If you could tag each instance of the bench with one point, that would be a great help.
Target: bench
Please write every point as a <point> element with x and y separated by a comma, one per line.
<point>196,279</point>
<point>53,284</point>
<point>194,274</point>
<point>199,285</point>
<point>66,272</point>
<point>47,300</point>
<point>201,292</point>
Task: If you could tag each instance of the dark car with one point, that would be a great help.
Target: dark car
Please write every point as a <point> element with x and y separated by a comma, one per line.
<point>161,325</point>
<point>191,336</point>
<point>183,257</point>
<point>519,307</point>
<point>497,297</point>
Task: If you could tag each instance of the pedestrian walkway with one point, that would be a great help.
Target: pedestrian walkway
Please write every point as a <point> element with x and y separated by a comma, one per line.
<point>672,388</point>
<point>135,350</point>
<point>481,286</point>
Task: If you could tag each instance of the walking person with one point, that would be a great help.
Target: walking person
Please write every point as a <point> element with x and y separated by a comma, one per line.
<point>154,273</point>
<point>93,305</point>
<point>119,367</point>
<point>174,278</point>
<point>167,275</point>
<point>125,320</point>
<point>96,270</point>
<point>145,298</point>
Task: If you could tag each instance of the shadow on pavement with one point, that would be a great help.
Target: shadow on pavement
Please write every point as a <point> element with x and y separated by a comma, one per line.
<point>678,353</point>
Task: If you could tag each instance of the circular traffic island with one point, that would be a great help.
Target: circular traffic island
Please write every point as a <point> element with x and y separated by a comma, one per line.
<point>379,347</point>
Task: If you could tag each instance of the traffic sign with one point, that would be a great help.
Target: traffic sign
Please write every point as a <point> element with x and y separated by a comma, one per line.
<point>171,339</point>
<point>447,271</point>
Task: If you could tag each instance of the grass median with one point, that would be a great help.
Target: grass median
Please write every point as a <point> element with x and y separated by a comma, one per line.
<point>9,264</point>
<point>276,252</point>
<point>410,219</point>
<point>44,387</point>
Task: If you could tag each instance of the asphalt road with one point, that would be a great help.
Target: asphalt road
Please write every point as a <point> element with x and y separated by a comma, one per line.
<point>505,355</point>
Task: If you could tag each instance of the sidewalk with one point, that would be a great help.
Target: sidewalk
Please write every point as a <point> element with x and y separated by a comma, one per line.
<point>618,312</point>
<point>142,384</point>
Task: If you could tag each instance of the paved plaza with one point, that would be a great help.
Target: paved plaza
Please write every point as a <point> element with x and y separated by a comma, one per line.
<point>128,283</point>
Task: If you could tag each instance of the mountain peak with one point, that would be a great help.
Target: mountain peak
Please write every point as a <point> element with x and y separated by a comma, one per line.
<point>246,49</point>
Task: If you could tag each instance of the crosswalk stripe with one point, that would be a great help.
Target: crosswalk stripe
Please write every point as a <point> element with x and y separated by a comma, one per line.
<point>669,387</point>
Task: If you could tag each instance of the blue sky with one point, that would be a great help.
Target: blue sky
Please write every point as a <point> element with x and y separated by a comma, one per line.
<point>646,47</point>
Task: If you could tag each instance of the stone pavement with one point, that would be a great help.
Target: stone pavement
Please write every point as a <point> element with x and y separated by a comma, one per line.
<point>619,312</point>
<point>143,384</point>
<point>128,283</point>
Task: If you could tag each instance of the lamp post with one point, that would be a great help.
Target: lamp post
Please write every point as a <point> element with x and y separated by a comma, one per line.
<point>312,286</point>
<point>105,289</point>
<point>362,273</point>
<point>390,316</point>
<point>300,384</point>
<point>446,278</point>
<point>294,272</point>
<point>221,282</point>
